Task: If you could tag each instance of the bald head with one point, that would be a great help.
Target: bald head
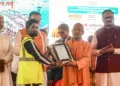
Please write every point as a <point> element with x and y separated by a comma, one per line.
<point>1,21</point>
<point>78,25</point>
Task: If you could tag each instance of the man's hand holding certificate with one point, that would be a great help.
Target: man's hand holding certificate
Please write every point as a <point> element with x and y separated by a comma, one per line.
<point>60,53</point>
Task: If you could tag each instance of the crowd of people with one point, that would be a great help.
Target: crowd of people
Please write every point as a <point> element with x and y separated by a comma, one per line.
<point>95,62</point>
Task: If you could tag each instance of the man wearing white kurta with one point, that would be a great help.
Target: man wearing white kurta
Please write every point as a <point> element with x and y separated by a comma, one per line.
<point>106,43</point>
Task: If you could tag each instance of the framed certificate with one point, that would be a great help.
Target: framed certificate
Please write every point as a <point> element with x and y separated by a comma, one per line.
<point>60,52</point>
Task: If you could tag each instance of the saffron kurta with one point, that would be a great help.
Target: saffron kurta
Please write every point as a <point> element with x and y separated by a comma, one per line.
<point>78,76</point>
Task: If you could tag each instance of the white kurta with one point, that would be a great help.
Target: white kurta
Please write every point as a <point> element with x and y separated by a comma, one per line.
<point>105,79</point>
<point>6,54</point>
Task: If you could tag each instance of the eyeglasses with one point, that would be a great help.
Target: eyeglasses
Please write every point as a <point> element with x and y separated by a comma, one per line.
<point>61,32</point>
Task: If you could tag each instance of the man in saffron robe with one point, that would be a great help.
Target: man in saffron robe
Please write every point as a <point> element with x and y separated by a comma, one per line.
<point>76,72</point>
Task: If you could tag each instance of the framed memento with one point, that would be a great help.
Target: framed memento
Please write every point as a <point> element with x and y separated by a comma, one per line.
<point>60,52</point>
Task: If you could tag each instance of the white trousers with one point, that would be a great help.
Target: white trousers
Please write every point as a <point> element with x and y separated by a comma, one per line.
<point>107,79</point>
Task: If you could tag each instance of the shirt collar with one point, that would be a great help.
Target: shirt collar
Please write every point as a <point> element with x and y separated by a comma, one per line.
<point>66,39</point>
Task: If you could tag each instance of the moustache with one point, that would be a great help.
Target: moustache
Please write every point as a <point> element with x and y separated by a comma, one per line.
<point>109,21</point>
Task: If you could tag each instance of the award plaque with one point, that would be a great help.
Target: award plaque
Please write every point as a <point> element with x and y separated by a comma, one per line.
<point>60,52</point>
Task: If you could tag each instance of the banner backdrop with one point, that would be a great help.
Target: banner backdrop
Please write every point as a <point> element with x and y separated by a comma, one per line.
<point>87,12</point>
<point>55,12</point>
<point>16,13</point>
